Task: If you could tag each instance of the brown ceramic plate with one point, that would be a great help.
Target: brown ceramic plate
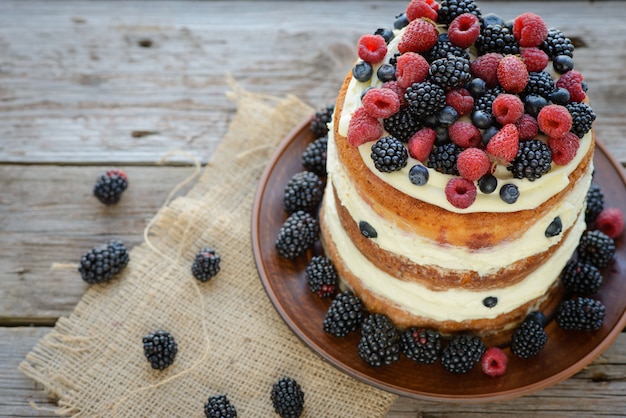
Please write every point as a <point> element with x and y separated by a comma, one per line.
<point>565,353</point>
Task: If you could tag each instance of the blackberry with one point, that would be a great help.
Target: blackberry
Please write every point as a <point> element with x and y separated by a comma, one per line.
<point>444,49</point>
<point>540,84</point>
<point>533,160</point>
<point>314,156</point>
<point>557,44</point>
<point>595,203</point>
<point>581,277</point>
<point>321,119</point>
<point>450,72</point>
<point>496,38</point>
<point>206,264</point>
<point>421,345</point>
<point>297,234</point>
<point>103,262</point>
<point>389,154</point>
<point>380,341</point>
<point>321,276</point>
<point>528,339</point>
<point>425,99</point>
<point>596,248</point>
<point>344,315</point>
<point>160,349</point>
<point>581,314</point>
<point>304,191</point>
<point>110,186</point>
<point>582,118</point>
<point>401,124</point>
<point>461,353</point>
<point>443,158</point>
<point>287,398</point>
<point>485,101</point>
<point>450,9</point>
<point>219,406</point>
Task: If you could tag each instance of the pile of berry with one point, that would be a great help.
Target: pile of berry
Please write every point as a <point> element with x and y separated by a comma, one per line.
<point>479,94</point>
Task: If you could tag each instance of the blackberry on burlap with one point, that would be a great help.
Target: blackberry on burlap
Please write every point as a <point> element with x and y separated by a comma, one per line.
<point>219,406</point>
<point>287,398</point>
<point>160,349</point>
<point>206,264</point>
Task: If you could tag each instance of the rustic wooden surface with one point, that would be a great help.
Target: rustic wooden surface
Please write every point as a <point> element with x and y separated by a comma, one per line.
<point>86,86</point>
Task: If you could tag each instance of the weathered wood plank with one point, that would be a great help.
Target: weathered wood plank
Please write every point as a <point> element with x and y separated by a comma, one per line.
<point>78,78</point>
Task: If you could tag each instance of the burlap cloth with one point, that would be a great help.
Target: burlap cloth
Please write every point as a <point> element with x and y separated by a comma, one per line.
<point>231,340</point>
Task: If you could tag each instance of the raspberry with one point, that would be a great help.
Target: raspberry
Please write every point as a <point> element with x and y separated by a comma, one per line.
<point>372,48</point>
<point>393,86</point>
<point>411,68</point>
<point>564,149</point>
<point>419,36</point>
<point>611,222</point>
<point>460,192</point>
<point>421,143</point>
<point>534,59</point>
<point>464,134</point>
<point>494,362</point>
<point>512,74</point>
<point>461,100</point>
<point>473,163</point>
<point>464,30</point>
<point>486,68</point>
<point>530,29</point>
<point>503,146</point>
<point>363,128</point>
<point>381,103</point>
<point>554,120</point>
<point>422,8</point>
<point>572,82</point>
<point>507,108</point>
<point>528,127</point>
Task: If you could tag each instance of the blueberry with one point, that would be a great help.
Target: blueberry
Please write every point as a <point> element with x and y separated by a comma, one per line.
<point>537,317</point>
<point>362,71</point>
<point>386,33</point>
<point>563,64</point>
<point>560,96</point>
<point>447,116</point>
<point>489,133</point>
<point>367,230</point>
<point>533,104</point>
<point>476,87</point>
<point>509,193</point>
<point>401,21</point>
<point>554,228</point>
<point>490,301</point>
<point>442,136</point>
<point>583,85</point>
<point>418,175</point>
<point>487,184</point>
<point>492,19</point>
<point>386,72</point>
<point>364,92</point>
<point>482,119</point>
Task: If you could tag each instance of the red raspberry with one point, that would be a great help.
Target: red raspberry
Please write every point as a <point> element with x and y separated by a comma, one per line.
<point>419,36</point>
<point>486,68</point>
<point>512,74</point>
<point>363,128</point>
<point>421,143</point>
<point>372,48</point>
<point>527,127</point>
<point>611,222</point>
<point>554,120</point>
<point>422,8</point>
<point>461,100</point>
<point>473,163</point>
<point>507,108</point>
<point>411,68</point>
<point>393,86</point>
<point>494,362</point>
<point>564,148</point>
<point>529,29</point>
<point>534,58</point>
<point>572,82</point>
<point>464,134</point>
<point>503,146</point>
<point>460,192</point>
<point>464,30</point>
<point>381,103</point>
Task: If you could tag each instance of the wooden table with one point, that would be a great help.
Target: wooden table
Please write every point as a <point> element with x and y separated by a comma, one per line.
<point>86,86</point>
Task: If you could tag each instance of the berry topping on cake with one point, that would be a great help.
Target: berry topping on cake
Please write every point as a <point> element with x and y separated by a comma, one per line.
<point>443,158</point>
<point>509,193</point>
<point>321,276</point>
<point>450,72</point>
<point>581,277</point>
<point>401,125</point>
<point>540,84</point>
<point>320,121</point>
<point>462,353</point>
<point>534,58</point>
<point>411,68</point>
<point>564,149</point>
<point>299,232</point>
<point>503,146</point>
<point>218,406</point>
<point>206,264</point>
<point>464,134</point>
<point>557,44</point>
<point>425,99</point>
<point>530,29</point>
<point>527,127</point>
<point>372,48</point>
<point>110,186</point>
<point>596,247</point>
<point>362,71</point>
<point>287,398</point>
<point>444,49</point>
<point>421,345</point>
<point>460,192</point>
<point>610,222</point>
<point>389,154</point>
<point>473,163</point>
<point>512,74</point>
<point>528,339</point>
<point>494,362</point>
<point>562,64</point>
<point>386,72</point>
<point>554,120</point>
<point>581,314</point>
<point>485,67</point>
<point>160,349</point>
<point>450,9</point>
<point>572,81</point>
<point>461,100</point>
<point>582,118</point>
<point>488,184</point>
<point>533,160</point>
<point>419,36</point>
<point>419,175</point>
<point>381,103</point>
<point>555,228</point>
<point>507,108</point>
<point>422,8</point>
<point>421,144</point>
<point>464,30</point>
<point>314,156</point>
<point>363,128</point>
<point>496,38</point>
<point>344,315</point>
<point>380,341</point>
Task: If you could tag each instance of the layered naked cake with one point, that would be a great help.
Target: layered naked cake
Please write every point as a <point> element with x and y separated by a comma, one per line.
<point>459,159</point>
